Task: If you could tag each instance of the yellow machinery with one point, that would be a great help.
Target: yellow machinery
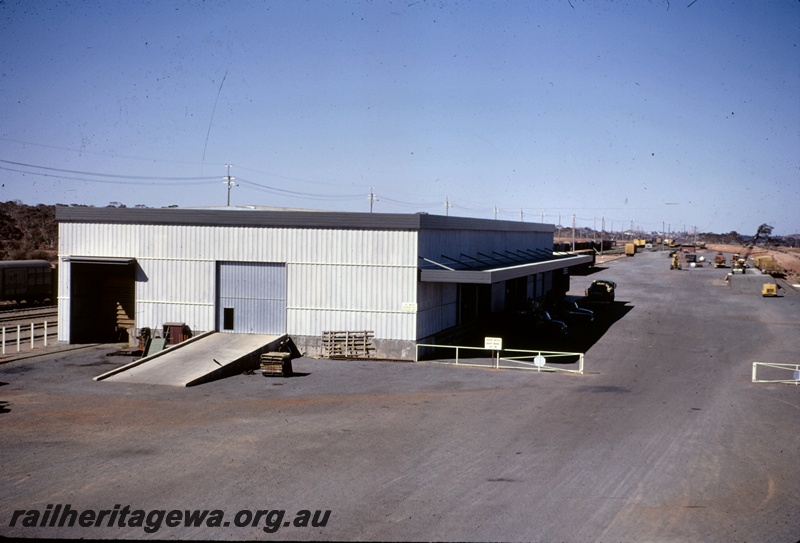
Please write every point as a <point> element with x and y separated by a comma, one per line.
<point>630,249</point>
<point>766,263</point>
<point>676,262</point>
<point>769,289</point>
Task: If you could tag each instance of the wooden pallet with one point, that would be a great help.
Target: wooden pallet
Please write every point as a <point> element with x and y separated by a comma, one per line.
<point>348,344</point>
<point>276,364</point>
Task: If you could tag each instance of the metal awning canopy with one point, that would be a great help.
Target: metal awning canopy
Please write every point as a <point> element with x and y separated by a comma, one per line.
<point>486,269</point>
<point>119,261</point>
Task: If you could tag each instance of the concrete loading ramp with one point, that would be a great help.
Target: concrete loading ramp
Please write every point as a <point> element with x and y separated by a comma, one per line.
<point>201,359</point>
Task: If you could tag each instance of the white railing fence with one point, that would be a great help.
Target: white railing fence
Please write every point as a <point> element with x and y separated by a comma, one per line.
<point>13,338</point>
<point>522,360</point>
<point>777,376</point>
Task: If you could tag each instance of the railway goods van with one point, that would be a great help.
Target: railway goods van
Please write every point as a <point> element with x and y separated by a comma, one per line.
<point>26,280</point>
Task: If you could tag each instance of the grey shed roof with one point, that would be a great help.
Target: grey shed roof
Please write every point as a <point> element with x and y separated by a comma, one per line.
<point>254,217</point>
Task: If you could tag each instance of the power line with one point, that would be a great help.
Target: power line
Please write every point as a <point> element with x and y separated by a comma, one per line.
<point>295,194</point>
<point>109,182</point>
<point>116,176</point>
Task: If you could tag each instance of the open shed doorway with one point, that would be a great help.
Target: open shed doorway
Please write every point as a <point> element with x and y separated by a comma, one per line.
<point>102,300</point>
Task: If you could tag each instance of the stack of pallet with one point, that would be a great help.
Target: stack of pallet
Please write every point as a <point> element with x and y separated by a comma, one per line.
<point>348,344</point>
<point>276,364</point>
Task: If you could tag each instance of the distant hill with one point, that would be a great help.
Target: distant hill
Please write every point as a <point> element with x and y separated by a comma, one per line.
<point>28,232</point>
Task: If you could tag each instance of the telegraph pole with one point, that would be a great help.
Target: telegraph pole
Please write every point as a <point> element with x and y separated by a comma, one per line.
<point>602,233</point>
<point>372,199</point>
<point>229,181</point>
<point>447,206</point>
<point>573,232</point>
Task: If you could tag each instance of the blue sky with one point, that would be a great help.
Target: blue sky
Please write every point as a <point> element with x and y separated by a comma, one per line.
<point>645,113</point>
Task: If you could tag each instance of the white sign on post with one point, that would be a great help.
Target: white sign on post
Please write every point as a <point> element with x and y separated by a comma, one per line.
<point>493,343</point>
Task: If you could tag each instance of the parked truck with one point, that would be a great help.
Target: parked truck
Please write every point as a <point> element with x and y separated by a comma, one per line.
<point>630,249</point>
<point>767,264</point>
<point>719,261</point>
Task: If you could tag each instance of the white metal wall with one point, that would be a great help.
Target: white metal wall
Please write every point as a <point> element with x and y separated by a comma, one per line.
<point>336,279</point>
<point>437,308</point>
<point>171,290</point>
<point>350,297</point>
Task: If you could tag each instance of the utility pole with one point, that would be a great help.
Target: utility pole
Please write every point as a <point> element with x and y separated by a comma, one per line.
<point>372,199</point>
<point>602,234</point>
<point>447,205</point>
<point>229,181</point>
<point>573,232</point>
<point>495,211</point>
<point>521,215</point>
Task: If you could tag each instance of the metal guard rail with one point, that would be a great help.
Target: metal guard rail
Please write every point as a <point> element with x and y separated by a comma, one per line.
<point>790,367</point>
<point>530,361</point>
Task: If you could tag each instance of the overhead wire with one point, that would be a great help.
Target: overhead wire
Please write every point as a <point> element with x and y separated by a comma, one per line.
<point>111,178</point>
<point>296,194</point>
<point>135,181</point>
<point>116,176</point>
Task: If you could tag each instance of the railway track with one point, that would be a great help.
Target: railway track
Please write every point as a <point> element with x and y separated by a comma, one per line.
<point>9,317</point>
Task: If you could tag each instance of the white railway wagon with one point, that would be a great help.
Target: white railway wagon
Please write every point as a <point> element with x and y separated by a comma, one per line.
<point>404,278</point>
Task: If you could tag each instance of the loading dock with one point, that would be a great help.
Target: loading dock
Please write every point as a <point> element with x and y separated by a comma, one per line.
<point>201,359</point>
<point>103,295</point>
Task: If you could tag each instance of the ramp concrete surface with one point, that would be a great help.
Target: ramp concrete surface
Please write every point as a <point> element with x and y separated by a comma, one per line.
<point>201,359</point>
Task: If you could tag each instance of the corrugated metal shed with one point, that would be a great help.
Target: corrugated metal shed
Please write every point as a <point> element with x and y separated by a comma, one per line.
<point>340,271</point>
<point>335,279</point>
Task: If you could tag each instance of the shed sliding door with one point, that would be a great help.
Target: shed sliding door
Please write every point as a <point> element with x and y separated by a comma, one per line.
<point>251,297</point>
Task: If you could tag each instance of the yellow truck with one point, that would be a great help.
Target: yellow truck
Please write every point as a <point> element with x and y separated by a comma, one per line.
<point>766,263</point>
<point>630,249</point>
<point>769,289</point>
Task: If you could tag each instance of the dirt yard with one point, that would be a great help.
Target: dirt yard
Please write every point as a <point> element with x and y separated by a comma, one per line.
<point>788,258</point>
